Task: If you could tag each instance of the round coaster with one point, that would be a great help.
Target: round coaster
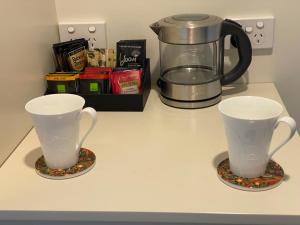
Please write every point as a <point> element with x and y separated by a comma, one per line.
<point>272,178</point>
<point>85,163</point>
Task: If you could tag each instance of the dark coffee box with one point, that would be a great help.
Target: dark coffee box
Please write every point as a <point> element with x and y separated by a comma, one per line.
<point>131,54</point>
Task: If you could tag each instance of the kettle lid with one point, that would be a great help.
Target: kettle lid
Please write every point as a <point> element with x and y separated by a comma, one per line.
<point>189,28</point>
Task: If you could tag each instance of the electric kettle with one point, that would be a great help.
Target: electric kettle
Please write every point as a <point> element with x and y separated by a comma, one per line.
<point>192,58</point>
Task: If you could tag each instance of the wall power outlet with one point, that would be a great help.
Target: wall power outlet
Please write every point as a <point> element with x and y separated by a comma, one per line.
<point>93,32</point>
<point>260,31</point>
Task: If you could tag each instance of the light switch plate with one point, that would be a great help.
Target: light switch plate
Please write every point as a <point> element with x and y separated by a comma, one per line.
<point>93,32</point>
<point>260,31</point>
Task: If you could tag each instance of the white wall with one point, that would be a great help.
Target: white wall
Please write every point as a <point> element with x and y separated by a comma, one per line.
<point>130,19</point>
<point>28,28</point>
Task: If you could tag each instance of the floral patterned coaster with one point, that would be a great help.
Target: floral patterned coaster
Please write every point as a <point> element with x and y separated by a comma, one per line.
<point>272,178</point>
<point>85,163</point>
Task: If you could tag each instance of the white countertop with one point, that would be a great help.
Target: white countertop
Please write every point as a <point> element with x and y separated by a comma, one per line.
<point>153,166</point>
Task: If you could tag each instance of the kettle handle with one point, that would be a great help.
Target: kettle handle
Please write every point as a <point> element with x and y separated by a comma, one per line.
<point>244,47</point>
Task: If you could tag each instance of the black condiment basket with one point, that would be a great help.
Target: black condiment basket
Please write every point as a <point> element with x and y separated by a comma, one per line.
<point>122,102</point>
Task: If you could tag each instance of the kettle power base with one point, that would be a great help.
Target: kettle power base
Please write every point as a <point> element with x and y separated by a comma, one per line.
<point>190,104</point>
<point>86,162</point>
<point>272,178</point>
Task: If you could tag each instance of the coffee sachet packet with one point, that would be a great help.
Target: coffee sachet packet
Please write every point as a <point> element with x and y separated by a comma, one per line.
<point>101,58</point>
<point>126,81</point>
<point>71,55</point>
<point>62,83</point>
<point>95,80</point>
<point>131,54</point>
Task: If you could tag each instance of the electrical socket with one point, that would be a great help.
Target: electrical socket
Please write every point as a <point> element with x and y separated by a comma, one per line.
<point>260,31</point>
<point>93,32</point>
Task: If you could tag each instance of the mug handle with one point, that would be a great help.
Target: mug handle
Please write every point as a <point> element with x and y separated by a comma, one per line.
<point>93,114</point>
<point>292,125</point>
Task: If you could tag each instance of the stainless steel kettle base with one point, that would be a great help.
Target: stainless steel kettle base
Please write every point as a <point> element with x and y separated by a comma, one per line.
<point>191,104</point>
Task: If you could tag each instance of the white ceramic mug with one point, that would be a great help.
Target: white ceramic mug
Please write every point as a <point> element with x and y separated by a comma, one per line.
<point>56,120</point>
<point>249,124</point>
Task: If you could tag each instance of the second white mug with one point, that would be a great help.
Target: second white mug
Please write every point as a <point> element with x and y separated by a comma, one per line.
<point>249,123</point>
